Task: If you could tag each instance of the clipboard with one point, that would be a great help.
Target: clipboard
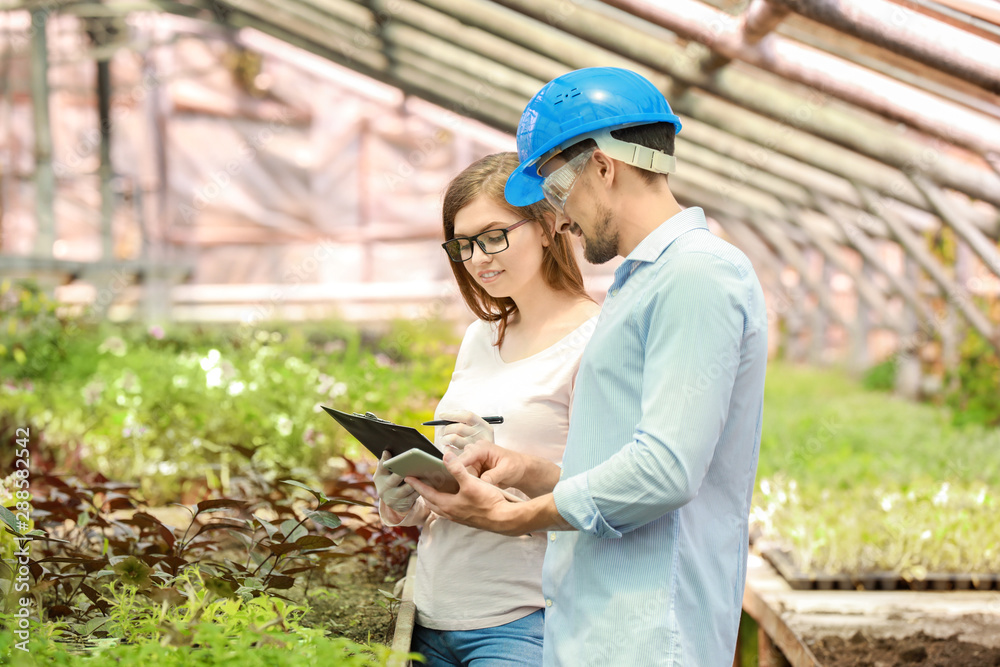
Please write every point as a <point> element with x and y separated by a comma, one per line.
<point>378,435</point>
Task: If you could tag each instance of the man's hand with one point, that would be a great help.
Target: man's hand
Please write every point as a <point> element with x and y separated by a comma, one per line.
<point>483,506</point>
<point>477,503</point>
<point>493,464</point>
<point>502,467</point>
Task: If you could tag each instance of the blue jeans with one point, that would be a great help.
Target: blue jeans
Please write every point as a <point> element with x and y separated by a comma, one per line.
<point>516,643</point>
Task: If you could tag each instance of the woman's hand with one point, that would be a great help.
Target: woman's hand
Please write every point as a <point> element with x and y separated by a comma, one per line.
<point>469,428</point>
<point>396,494</point>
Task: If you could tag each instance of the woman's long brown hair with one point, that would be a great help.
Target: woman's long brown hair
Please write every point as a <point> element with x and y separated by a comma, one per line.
<point>559,268</point>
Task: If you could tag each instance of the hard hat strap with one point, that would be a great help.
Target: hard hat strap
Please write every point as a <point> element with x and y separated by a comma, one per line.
<point>633,154</point>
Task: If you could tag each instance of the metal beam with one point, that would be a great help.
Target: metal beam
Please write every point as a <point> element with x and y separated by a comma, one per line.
<point>985,248</point>
<point>860,241</point>
<point>954,292</point>
<point>588,38</point>
<point>775,235</point>
<point>867,291</point>
<point>322,40</point>
<point>773,138</point>
<point>45,180</point>
<point>793,61</point>
<point>839,123</point>
<point>911,34</point>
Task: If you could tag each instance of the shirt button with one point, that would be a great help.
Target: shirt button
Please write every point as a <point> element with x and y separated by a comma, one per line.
<point>552,537</point>
<point>614,292</point>
<point>548,603</point>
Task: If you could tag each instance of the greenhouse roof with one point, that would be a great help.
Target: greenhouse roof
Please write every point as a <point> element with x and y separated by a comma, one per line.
<point>816,124</point>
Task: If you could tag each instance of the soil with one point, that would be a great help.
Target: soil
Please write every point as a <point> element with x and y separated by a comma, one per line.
<point>348,603</point>
<point>920,650</point>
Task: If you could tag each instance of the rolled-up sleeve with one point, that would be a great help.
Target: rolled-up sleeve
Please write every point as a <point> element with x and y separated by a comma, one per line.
<point>693,317</point>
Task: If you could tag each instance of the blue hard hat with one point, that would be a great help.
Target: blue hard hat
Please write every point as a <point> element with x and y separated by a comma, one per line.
<point>572,105</point>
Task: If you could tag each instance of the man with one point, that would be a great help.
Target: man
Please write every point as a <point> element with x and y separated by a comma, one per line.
<point>655,487</point>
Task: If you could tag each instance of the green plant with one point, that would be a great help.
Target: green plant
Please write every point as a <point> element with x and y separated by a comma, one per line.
<point>881,376</point>
<point>190,405</point>
<point>854,481</point>
<point>271,639</point>
<point>976,400</point>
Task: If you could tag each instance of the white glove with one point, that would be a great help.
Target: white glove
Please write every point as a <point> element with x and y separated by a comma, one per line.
<point>392,490</point>
<point>468,429</point>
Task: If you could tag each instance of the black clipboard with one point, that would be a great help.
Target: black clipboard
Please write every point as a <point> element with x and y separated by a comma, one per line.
<point>378,435</point>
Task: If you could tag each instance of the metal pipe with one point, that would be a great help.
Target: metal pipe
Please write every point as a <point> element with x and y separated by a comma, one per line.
<point>986,249</point>
<point>595,39</point>
<point>909,33</point>
<point>45,180</point>
<point>860,241</point>
<point>721,32</point>
<point>954,292</point>
<point>760,18</point>
<point>105,170</point>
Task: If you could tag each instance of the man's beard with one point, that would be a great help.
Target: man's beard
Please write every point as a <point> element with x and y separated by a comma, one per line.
<point>602,246</point>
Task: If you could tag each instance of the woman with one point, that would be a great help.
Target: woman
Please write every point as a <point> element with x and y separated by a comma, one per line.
<point>479,595</point>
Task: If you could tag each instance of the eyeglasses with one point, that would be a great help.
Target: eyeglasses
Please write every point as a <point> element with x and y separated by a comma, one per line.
<point>560,182</point>
<point>491,242</point>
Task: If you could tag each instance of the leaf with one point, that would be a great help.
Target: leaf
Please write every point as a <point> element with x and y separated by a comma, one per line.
<point>323,518</point>
<point>390,595</point>
<point>282,548</point>
<point>170,595</point>
<point>243,539</point>
<point>293,530</point>
<point>95,597</point>
<point>221,587</point>
<point>268,527</point>
<point>319,494</point>
<point>344,501</point>
<point>59,611</point>
<point>222,524</point>
<point>174,563</point>
<point>253,583</point>
<point>220,503</point>
<point>94,623</point>
<point>142,518</point>
<point>311,542</point>
<point>119,503</point>
<point>191,511</point>
<point>280,582</point>
<point>8,518</point>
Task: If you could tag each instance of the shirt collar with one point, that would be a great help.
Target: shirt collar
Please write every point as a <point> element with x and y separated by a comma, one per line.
<point>651,247</point>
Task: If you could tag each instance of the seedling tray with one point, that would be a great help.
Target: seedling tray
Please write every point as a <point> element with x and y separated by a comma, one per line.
<point>875,581</point>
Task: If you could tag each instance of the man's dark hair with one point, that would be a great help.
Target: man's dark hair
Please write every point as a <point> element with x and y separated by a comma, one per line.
<point>658,136</point>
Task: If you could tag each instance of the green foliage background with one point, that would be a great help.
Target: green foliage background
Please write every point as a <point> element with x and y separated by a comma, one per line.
<point>193,402</point>
<point>851,479</point>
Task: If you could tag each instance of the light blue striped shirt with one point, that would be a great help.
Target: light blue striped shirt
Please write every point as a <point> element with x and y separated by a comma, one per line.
<point>660,463</point>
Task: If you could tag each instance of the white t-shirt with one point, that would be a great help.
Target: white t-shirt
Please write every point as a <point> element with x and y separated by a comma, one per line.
<point>467,579</point>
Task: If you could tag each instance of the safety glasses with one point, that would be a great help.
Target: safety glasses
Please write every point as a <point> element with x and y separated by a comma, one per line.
<point>560,182</point>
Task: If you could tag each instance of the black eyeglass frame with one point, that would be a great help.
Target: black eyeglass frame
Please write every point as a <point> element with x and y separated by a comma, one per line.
<point>482,246</point>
